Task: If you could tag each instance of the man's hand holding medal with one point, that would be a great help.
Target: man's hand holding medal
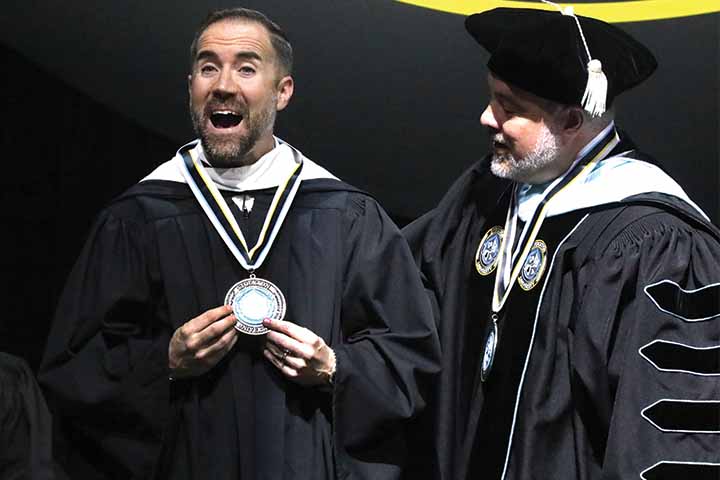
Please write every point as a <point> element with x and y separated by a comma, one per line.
<point>298,353</point>
<point>201,343</point>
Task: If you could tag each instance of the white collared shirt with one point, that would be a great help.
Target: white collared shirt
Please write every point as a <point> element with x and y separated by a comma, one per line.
<point>268,171</point>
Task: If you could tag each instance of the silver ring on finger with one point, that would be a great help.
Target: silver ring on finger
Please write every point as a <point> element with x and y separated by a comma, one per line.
<point>285,354</point>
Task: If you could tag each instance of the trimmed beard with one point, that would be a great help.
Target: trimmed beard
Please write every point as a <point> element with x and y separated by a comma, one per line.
<point>231,152</point>
<point>505,165</point>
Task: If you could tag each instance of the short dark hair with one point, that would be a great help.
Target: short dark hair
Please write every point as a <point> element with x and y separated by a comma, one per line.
<point>278,38</point>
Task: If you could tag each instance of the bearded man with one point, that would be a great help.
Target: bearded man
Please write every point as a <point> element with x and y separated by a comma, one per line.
<point>586,345</point>
<point>240,312</point>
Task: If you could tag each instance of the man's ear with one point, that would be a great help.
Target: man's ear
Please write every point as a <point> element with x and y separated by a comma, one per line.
<point>285,87</point>
<point>189,86</point>
<point>572,120</point>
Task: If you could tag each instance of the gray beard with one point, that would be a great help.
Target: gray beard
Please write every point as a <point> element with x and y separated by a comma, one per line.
<point>543,154</point>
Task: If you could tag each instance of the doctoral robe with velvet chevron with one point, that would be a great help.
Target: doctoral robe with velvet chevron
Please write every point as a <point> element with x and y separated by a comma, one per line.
<point>608,368</point>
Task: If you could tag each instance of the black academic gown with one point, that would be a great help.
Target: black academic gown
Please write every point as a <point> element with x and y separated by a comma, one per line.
<point>626,318</point>
<point>153,261</point>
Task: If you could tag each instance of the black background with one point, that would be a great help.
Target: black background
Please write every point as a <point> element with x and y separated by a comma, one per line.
<point>387,96</point>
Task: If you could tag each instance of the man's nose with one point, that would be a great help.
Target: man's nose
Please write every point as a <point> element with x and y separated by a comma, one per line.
<point>488,118</point>
<point>226,84</point>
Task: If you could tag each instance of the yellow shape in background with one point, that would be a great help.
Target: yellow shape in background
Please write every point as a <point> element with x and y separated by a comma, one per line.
<point>611,12</point>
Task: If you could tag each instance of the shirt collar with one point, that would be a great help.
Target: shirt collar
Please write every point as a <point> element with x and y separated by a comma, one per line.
<point>530,195</point>
<point>268,171</point>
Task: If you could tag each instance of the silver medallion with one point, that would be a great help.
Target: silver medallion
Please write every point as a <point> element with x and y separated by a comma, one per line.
<point>490,347</point>
<point>253,300</point>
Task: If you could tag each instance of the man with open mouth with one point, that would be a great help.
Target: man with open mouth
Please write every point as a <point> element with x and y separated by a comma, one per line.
<point>241,312</point>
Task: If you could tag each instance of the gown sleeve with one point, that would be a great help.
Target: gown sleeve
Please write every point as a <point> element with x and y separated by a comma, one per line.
<point>105,365</point>
<point>25,425</point>
<point>647,356</point>
<point>416,234</point>
<point>389,350</point>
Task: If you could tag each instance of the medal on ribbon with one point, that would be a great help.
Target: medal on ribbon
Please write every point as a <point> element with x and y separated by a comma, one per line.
<point>491,339</point>
<point>528,261</point>
<point>252,299</point>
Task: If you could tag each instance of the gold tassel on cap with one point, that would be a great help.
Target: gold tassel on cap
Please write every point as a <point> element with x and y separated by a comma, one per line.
<point>595,97</point>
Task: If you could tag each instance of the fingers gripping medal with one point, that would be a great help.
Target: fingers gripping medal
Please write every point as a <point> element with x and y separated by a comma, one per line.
<point>253,300</point>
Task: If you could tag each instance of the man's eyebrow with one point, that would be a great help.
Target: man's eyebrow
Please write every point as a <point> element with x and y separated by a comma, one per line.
<point>248,55</point>
<point>210,55</point>
<point>505,99</point>
<point>206,55</point>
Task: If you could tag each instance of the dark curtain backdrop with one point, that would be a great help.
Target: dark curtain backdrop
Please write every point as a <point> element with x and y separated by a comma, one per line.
<point>64,156</point>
